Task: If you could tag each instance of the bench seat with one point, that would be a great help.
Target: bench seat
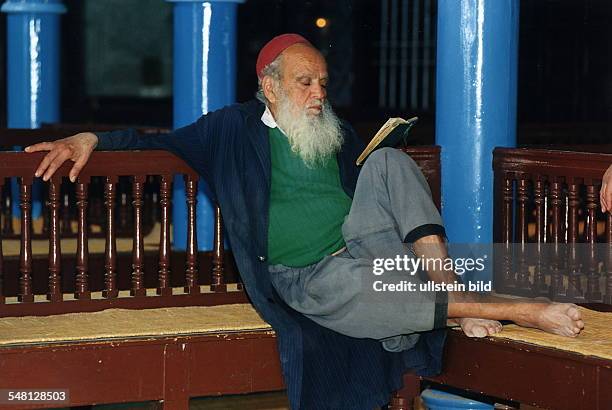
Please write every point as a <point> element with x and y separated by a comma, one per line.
<point>128,323</point>
<point>122,355</point>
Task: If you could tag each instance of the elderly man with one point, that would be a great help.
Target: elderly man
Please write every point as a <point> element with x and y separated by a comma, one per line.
<point>306,224</point>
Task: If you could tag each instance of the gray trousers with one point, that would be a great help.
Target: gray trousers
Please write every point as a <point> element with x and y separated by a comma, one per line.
<point>392,198</point>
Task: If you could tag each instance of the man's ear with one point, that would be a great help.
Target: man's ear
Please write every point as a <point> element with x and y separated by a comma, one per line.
<point>267,85</point>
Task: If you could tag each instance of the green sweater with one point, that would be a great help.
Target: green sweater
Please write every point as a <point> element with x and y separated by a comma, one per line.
<point>307,207</point>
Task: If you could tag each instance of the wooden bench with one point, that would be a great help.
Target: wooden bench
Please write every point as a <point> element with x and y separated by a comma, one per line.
<point>227,358</point>
<point>104,364</point>
<point>543,198</point>
<point>520,372</point>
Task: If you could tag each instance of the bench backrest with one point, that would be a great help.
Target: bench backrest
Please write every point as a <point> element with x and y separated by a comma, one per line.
<point>171,287</point>
<point>546,213</point>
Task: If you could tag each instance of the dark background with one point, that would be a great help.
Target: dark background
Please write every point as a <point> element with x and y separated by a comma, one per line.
<point>117,62</point>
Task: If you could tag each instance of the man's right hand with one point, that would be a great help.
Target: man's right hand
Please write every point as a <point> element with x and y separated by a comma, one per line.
<point>76,148</point>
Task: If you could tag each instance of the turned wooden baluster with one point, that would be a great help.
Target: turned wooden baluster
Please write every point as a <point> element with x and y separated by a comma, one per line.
<point>191,270</point>
<point>591,206</point>
<point>574,288</point>
<point>1,258</point>
<point>7,224</point>
<point>110,246</point>
<point>164,288</point>
<point>522,234</point>
<point>507,234</point>
<point>55,251</point>
<point>608,296</point>
<point>555,209</point>
<point>556,201</point>
<point>507,231</point>
<point>138,288</point>
<point>25,253</point>
<point>218,283</point>
<point>593,293</point>
<point>521,212</point>
<point>82,256</point>
<point>540,286</point>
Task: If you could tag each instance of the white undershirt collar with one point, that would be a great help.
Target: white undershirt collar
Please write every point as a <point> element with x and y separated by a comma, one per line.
<point>268,119</point>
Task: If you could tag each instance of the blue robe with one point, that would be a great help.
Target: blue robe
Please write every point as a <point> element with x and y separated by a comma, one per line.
<point>322,369</point>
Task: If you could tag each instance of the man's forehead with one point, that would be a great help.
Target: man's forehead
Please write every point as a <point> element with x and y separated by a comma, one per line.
<point>300,59</point>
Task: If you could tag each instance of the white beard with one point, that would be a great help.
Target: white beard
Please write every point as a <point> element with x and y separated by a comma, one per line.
<point>314,138</point>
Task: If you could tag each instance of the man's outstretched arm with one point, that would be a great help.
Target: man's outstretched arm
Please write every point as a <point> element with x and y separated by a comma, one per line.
<point>193,143</point>
<point>78,148</point>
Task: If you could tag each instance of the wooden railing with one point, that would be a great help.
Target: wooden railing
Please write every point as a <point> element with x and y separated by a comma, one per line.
<point>68,213</point>
<point>136,165</point>
<point>552,238</point>
<point>544,200</point>
<point>12,137</point>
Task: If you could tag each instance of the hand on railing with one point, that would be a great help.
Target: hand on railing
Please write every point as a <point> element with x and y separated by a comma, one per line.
<point>76,148</point>
<point>605,195</point>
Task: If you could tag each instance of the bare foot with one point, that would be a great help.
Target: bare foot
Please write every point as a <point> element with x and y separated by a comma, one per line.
<point>473,327</point>
<point>558,318</point>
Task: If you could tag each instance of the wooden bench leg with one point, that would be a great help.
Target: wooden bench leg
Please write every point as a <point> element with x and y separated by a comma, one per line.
<point>176,404</point>
<point>404,399</point>
<point>399,403</point>
<point>176,377</point>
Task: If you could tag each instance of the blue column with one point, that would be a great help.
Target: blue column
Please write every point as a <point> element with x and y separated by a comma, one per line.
<point>32,67</point>
<point>204,80</point>
<point>477,55</point>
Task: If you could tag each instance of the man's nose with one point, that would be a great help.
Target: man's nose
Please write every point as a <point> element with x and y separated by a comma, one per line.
<point>318,91</point>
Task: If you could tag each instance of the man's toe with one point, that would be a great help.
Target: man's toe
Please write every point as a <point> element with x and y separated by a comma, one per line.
<point>573,312</point>
<point>479,331</point>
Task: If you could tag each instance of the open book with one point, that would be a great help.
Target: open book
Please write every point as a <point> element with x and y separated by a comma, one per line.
<point>394,131</point>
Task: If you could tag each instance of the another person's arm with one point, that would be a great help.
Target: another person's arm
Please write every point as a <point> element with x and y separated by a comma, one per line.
<point>605,195</point>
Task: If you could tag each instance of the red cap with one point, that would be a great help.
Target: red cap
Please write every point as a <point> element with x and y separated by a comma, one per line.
<point>274,47</point>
